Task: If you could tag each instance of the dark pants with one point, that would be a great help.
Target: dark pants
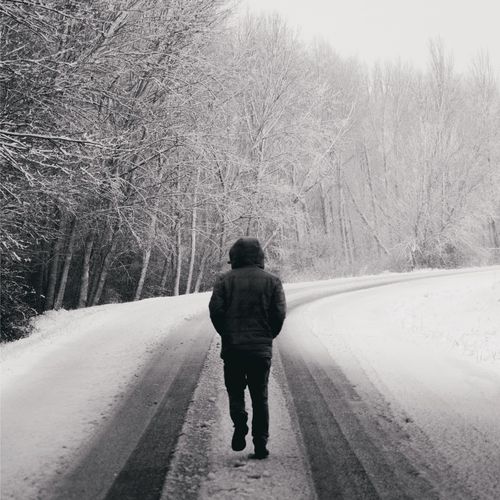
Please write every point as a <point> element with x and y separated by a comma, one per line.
<point>242,369</point>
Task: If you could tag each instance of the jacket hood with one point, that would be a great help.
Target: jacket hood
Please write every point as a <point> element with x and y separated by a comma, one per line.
<point>246,252</point>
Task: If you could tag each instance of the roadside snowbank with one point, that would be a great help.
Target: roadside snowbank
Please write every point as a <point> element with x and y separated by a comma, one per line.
<point>60,384</point>
<point>149,319</point>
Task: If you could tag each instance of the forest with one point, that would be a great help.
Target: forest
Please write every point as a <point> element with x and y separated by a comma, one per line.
<point>140,138</point>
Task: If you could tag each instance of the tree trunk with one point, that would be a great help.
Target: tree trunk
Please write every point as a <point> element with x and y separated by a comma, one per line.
<point>54,266</point>
<point>296,225</point>
<point>340,212</point>
<point>85,277</point>
<point>104,271</point>
<point>192,255</point>
<point>306,217</point>
<point>352,243</point>
<point>222,240</point>
<point>67,263</point>
<point>324,211</point>
<point>164,274</point>
<point>201,271</point>
<point>146,256</point>
<point>345,232</point>
<point>193,233</point>
<point>178,265</point>
<point>495,239</point>
<point>372,194</point>
<point>42,276</point>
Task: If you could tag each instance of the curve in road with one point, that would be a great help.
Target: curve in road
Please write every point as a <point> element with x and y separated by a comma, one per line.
<point>130,458</point>
<point>352,452</point>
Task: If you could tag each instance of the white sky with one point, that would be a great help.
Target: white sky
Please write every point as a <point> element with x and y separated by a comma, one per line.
<point>390,29</point>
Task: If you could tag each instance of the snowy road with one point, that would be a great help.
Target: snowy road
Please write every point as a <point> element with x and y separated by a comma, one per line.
<point>357,410</point>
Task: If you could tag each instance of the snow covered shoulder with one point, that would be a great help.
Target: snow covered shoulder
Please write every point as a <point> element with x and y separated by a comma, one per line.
<point>60,384</point>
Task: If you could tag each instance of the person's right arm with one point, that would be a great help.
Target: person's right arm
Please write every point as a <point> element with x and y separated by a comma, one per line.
<point>277,312</point>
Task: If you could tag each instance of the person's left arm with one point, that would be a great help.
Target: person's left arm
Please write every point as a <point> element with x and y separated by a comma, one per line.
<point>217,306</point>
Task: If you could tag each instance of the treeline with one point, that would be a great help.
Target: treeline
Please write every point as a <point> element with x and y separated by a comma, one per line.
<point>139,138</point>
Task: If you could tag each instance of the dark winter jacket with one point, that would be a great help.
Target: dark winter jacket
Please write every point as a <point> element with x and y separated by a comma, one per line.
<point>248,304</point>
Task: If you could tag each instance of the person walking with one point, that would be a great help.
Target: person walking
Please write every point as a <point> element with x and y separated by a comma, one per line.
<point>248,308</point>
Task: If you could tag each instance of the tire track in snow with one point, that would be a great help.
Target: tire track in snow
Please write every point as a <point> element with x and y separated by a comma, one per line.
<point>130,458</point>
<point>351,454</point>
<point>344,461</point>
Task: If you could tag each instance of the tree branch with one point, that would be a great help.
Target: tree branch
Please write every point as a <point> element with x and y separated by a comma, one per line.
<point>50,138</point>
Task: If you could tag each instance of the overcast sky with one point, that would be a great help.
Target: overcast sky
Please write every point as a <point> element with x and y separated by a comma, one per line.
<point>387,29</point>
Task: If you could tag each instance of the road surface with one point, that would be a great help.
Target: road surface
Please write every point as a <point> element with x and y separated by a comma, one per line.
<point>169,437</point>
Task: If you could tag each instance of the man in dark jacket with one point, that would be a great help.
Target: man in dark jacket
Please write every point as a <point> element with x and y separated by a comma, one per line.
<point>247,309</point>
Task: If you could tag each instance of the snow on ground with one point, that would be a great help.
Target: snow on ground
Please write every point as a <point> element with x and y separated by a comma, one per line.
<point>58,385</point>
<point>432,348</point>
<point>439,337</point>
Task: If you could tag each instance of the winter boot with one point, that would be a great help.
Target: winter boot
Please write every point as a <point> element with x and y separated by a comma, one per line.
<point>238,442</point>
<point>261,450</point>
